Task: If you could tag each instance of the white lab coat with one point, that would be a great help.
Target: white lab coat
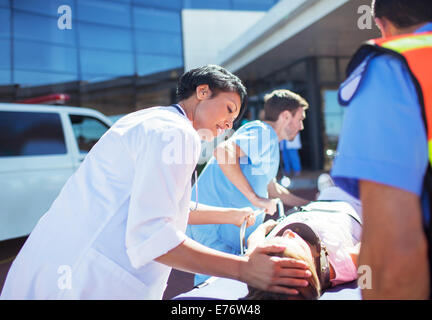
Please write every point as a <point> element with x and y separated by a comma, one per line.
<point>127,204</point>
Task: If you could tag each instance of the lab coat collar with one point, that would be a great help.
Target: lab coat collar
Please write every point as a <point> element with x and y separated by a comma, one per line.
<point>179,109</point>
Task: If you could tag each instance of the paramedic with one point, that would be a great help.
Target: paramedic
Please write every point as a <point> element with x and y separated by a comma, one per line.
<point>383,150</point>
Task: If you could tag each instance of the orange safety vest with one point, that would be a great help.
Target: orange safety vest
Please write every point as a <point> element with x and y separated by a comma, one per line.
<point>415,51</point>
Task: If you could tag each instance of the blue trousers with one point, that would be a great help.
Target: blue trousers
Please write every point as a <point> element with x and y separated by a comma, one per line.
<point>291,160</point>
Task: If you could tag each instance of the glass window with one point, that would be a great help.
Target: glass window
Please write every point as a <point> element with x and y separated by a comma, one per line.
<point>5,23</point>
<point>30,134</point>
<point>4,3</point>
<point>263,5</point>
<point>158,42</point>
<point>5,58</point>
<point>333,124</point>
<point>157,20</point>
<point>45,7</point>
<point>171,4</point>
<point>87,131</point>
<point>148,64</point>
<point>205,4</point>
<point>35,78</point>
<point>41,28</point>
<point>5,77</point>
<point>333,113</point>
<point>105,12</point>
<point>333,119</point>
<point>29,55</point>
<point>104,37</point>
<point>106,62</point>
<point>91,77</point>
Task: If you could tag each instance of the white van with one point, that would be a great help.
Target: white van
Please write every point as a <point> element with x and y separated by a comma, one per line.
<point>40,147</point>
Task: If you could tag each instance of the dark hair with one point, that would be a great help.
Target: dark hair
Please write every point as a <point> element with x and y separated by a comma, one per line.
<point>217,78</point>
<point>310,292</point>
<point>278,101</point>
<point>403,13</point>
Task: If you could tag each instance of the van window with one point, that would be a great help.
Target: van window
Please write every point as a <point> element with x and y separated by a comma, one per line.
<point>87,130</point>
<point>30,134</point>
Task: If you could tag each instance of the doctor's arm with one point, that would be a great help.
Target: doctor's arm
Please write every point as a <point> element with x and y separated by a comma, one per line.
<point>228,156</point>
<point>393,243</point>
<point>257,269</point>
<point>205,214</point>
<point>275,190</point>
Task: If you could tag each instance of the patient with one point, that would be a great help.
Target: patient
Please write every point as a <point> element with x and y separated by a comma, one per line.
<point>325,234</point>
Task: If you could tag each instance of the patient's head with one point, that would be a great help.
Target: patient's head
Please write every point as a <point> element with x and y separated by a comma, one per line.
<point>298,249</point>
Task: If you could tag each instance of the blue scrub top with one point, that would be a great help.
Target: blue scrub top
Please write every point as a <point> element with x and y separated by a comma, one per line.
<point>383,138</point>
<point>260,143</point>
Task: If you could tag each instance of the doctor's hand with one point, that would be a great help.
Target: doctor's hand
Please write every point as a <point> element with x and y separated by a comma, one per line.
<point>271,273</point>
<point>242,214</point>
<point>269,205</point>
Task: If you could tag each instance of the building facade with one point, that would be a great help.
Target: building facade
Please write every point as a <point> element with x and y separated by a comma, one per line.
<point>106,38</point>
<point>131,48</point>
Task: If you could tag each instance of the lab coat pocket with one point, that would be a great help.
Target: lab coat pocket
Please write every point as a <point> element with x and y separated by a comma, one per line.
<point>98,277</point>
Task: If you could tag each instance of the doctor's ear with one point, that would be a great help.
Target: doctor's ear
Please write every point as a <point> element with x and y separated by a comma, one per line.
<point>285,115</point>
<point>203,92</point>
<point>386,27</point>
<point>380,24</point>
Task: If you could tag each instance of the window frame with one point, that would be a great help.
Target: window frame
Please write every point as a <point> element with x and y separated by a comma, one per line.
<point>73,138</point>
<point>62,127</point>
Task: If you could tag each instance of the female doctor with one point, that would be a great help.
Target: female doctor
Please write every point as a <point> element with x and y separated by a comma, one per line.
<point>117,227</point>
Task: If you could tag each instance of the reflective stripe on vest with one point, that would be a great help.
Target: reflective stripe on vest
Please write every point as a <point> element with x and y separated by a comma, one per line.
<point>417,51</point>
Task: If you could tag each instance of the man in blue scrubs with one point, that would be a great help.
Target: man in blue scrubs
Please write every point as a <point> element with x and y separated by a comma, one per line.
<point>243,169</point>
<point>383,154</point>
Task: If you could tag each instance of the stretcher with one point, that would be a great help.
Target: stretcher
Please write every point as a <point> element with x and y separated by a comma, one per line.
<point>227,289</point>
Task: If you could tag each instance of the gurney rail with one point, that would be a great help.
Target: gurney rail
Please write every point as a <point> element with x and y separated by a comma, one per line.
<point>281,213</point>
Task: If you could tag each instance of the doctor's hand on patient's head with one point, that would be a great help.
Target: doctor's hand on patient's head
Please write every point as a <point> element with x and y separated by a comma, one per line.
<point>273,273</point>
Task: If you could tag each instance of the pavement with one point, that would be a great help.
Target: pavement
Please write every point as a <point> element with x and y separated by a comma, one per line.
<point>179,282</point>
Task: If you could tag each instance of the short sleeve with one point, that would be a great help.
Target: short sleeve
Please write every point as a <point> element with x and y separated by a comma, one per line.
<point>383,138</point>
<point>257,142</point>
<point>160,184</point>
